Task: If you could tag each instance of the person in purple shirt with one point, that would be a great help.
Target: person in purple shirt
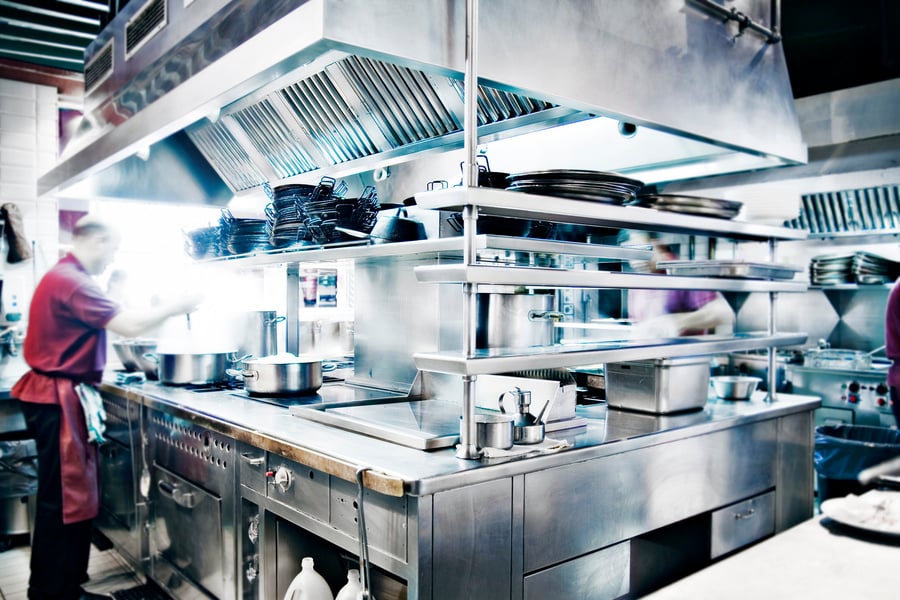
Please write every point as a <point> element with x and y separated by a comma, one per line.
<point>673,313</point>
<point>892,347</point>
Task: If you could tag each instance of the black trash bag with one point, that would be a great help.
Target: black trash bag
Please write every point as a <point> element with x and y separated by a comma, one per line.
<point>19,249</point>
<point>18,468</point>
<point>842,451</point>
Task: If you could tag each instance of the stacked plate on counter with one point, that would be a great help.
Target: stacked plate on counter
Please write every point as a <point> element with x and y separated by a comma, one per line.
<point>853,267</point>
<point>691,205</point>
<point>595,186</point>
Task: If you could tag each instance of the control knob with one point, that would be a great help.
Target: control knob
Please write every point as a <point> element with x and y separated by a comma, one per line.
<point>281,477</point>
<point>881,389</point>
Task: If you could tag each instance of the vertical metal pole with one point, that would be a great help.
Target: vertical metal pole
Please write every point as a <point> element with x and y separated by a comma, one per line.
<point>467,437</point>
<point>773,297</point>
<point>292,310</point>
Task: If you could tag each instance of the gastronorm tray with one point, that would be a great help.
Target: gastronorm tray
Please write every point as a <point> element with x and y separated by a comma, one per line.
<point>728,268</point>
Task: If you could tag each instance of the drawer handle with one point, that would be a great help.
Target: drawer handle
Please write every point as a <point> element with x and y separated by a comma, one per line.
<point>181,498</point>
<point>744,515</point>
<point>253,460</point>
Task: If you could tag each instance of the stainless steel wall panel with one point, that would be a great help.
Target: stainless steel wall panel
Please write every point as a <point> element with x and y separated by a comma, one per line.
<point>600,574</point>
<point>472,530</point>
<point>794,485</point>
<point>632,493</point>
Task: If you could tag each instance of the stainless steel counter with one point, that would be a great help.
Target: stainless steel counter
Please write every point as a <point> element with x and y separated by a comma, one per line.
<point>399,470</point>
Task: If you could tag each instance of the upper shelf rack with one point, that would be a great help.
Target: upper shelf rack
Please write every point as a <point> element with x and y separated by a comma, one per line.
<point>502,203</point>
<point>448,245</point>
<point>506,360</point>
<point>553,278</point>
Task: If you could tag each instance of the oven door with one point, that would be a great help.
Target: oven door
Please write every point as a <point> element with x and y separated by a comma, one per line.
<point>186,539</point>
<point>118,508</point>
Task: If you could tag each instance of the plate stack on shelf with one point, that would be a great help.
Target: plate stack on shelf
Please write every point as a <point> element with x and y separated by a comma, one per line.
<point>240,236</point>
<point>595,186</point>
<point>285,221</point>
<point>691,205</point>
<point>852,267</point>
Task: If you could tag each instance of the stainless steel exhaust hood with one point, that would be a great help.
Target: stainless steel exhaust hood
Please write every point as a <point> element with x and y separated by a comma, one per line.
<point>267,91</point>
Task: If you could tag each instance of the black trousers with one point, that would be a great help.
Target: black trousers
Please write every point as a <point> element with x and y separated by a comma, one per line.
<point>59,552</point>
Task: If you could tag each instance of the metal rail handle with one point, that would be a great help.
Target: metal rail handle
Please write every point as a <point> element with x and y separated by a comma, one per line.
<point>181,498</point>
<point>747,514</point>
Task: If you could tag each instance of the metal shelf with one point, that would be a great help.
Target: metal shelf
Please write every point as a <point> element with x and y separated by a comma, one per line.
<point>559,278</point>
<point>504,203</point>
<point>504,360</point>
<point>432,246</point>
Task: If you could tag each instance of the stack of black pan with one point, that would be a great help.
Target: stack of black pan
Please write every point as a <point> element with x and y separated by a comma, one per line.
<point>691,205</point>
<point>595,186</point>
<point>202,242</point>
<point>240,235</point>
<point>285,221</point>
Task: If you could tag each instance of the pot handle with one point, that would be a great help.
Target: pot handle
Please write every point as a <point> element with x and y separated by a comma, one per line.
<point>249,374</point>
<point>277,319</point>
<point>545,315</point>
<point>151,356</point>
<point>234,372</point>
<point>235,359</point>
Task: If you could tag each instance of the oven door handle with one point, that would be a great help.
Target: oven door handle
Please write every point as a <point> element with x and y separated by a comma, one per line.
<point>178,495</point>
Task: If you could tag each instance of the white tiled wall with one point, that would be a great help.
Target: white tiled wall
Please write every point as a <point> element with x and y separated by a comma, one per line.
<point>29,116</point>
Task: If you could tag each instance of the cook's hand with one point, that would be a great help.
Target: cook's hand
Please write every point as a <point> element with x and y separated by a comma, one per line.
<point>663,326</point>
<point>186,303</point>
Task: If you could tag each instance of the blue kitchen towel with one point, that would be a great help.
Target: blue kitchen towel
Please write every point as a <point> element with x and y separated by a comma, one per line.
<point>94,414</point>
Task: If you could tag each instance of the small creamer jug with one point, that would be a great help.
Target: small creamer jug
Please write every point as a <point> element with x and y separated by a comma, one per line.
<point>308,584</point>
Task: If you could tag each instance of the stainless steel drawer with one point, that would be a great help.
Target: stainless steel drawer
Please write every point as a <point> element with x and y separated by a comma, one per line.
<point>300,487</point>
<point>604,572</point>
<point>742,523</point>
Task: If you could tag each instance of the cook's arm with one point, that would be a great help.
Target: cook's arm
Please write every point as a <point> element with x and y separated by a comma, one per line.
<point>133,322</point>
<point>716,314</point>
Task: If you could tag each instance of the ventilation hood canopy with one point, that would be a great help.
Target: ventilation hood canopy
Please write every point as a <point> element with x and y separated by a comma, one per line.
<point>219,97</point>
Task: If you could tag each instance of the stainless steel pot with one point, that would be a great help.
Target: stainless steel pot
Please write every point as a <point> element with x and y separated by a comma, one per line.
<point>126,354</point>
<point>507,319</point>
<point>192,368</point>
<point>493,431</point>
<point>281,376</point>
<point>261,333</point>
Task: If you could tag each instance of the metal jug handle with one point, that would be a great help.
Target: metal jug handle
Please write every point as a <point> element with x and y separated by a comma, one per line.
<point>500,402</point>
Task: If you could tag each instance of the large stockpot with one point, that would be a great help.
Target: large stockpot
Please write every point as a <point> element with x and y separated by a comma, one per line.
<point>260,336</point>
<point>281,375</point>
<point>510,318</point>
<point>192,368</point>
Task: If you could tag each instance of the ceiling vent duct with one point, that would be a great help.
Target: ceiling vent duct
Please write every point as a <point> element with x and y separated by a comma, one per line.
<point>272,90</point>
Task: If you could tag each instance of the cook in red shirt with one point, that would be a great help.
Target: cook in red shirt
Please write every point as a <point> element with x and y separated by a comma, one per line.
<point>65,345</point>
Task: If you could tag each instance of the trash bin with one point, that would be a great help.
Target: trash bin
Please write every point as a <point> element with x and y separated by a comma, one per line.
<point>18,485</point>
<point>842,451</point>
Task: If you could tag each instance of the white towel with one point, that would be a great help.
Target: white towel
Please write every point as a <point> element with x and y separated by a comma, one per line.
<point>94,414</point>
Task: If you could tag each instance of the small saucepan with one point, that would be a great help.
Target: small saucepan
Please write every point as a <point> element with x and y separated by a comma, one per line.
<point>281,375</point>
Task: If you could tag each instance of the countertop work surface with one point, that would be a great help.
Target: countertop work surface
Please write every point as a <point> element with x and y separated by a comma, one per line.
<point>816,559</point>
<point>606,432</point>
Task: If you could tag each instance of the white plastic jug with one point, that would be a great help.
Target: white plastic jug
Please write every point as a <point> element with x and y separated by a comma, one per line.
<point>352,588</point>
<point>308,585</point>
